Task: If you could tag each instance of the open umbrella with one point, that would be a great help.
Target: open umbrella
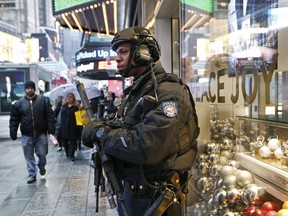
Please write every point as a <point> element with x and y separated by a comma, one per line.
<point>91,92</point>
<point>58,91</point>
<point>63,90</point>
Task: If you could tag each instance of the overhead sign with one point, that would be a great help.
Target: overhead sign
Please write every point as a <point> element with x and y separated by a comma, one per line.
<point>97,59</point>
<point>61,5</point>
<point>205,5</point>
<point>98,66</point>
<point>97,54</point>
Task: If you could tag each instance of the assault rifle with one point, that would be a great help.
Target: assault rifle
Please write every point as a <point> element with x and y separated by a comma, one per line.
<point>101,160</point>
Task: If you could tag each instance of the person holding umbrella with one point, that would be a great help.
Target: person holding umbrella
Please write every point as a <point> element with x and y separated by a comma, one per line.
<point>69,128</point>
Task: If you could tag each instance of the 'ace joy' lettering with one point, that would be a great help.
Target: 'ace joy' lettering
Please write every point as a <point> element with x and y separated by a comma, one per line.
<point>248,97</point>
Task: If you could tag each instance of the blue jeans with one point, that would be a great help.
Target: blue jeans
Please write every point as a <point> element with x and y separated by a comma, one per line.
<point>39,146</point>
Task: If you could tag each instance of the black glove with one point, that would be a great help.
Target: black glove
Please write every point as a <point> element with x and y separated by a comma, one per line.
<point>13,135</point>
<point>89,131</point>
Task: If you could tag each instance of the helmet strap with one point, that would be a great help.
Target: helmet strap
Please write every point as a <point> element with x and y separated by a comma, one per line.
<point>129,65</point>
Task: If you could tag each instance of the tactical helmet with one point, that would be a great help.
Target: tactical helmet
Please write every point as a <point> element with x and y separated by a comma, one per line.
<point>138,36</point>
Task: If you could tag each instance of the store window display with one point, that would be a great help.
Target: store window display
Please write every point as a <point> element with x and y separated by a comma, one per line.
<point>240,78</point>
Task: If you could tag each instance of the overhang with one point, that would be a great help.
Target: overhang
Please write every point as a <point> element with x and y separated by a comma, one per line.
<point>97,16</point>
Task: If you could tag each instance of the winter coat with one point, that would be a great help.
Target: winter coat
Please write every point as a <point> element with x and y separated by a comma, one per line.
<point>164,136</point>
<point>35,116</point>
<point>69,129</point>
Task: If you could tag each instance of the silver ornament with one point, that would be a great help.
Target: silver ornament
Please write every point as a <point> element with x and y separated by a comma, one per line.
<point>265,152</point>
<point>220,198</point>
<point>234,163</point>
<point>211,148</point>
<point>230,181</point>
<point>284,149</point>
<point>225,129</point>
<point>278,153</point>
<point>201,158</point>
<point>234,195</point>
<point>195,210</point>
<point>216,137</point>
<point>227,144</point>
<point>227,154</point>
<point>203,168</point>
<point>215,170</point>
<point>226,170</point>
<point>211,205</point>
<point>252,194</point>
<point>214,158</point>
<point>274,143</point>
<point>219,183</point>
<point>204,184</point>
<point>244,177</point>
<point>223,160</point>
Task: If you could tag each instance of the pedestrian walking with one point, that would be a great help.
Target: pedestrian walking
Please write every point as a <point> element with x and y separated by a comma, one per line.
<point>69,128</point>
<point>36,118</point>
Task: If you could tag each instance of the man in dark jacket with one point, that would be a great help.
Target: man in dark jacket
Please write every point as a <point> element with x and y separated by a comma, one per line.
<point>36,118</point>
<point>153,135</point>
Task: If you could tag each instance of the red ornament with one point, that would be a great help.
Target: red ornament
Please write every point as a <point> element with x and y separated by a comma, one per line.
<point>271,213</point>
<point>257,212</point>
<point>248,211</point>
<point>257,201</point>
<point>269,206</point>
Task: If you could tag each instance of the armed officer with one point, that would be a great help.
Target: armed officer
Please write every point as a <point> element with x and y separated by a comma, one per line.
<point>152,138</point>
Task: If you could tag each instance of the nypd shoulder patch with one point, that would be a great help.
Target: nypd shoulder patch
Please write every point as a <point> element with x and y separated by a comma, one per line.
<point>170,108</point>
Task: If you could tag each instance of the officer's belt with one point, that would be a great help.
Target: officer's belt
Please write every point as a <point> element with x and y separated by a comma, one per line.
<point>139,188</point>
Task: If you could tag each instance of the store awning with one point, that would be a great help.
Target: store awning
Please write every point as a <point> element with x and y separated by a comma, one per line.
<point>53,66</point>
<point>97,16</point>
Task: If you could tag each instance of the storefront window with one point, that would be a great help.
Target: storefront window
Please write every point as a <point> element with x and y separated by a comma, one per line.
<point>233,55</point>
<point>233,58</point>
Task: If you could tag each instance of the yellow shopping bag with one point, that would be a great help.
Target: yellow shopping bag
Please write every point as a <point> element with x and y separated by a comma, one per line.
<point>81,117</point>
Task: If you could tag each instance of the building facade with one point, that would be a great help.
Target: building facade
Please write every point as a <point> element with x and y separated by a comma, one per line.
<point>28,36</point>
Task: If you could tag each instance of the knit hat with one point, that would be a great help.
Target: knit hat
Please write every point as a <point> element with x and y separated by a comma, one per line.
<point>30,84</point>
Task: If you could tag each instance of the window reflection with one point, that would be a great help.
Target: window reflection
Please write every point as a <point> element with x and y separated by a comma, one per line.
<point>233,52</point>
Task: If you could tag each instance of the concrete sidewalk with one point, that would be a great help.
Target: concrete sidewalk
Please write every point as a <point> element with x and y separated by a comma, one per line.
<point>67,188</point>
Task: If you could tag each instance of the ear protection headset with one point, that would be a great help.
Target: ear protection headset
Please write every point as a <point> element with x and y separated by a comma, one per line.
<point>142,55</point>
<point>147,50</point>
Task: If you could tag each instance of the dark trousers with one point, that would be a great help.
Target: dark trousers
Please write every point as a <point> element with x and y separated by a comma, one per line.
<point>59,139</point>
<point>136,205</point>
<point>70,146</point>
<point>79,140</point>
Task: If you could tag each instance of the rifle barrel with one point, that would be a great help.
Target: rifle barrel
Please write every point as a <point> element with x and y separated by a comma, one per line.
<point>85,101</point>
